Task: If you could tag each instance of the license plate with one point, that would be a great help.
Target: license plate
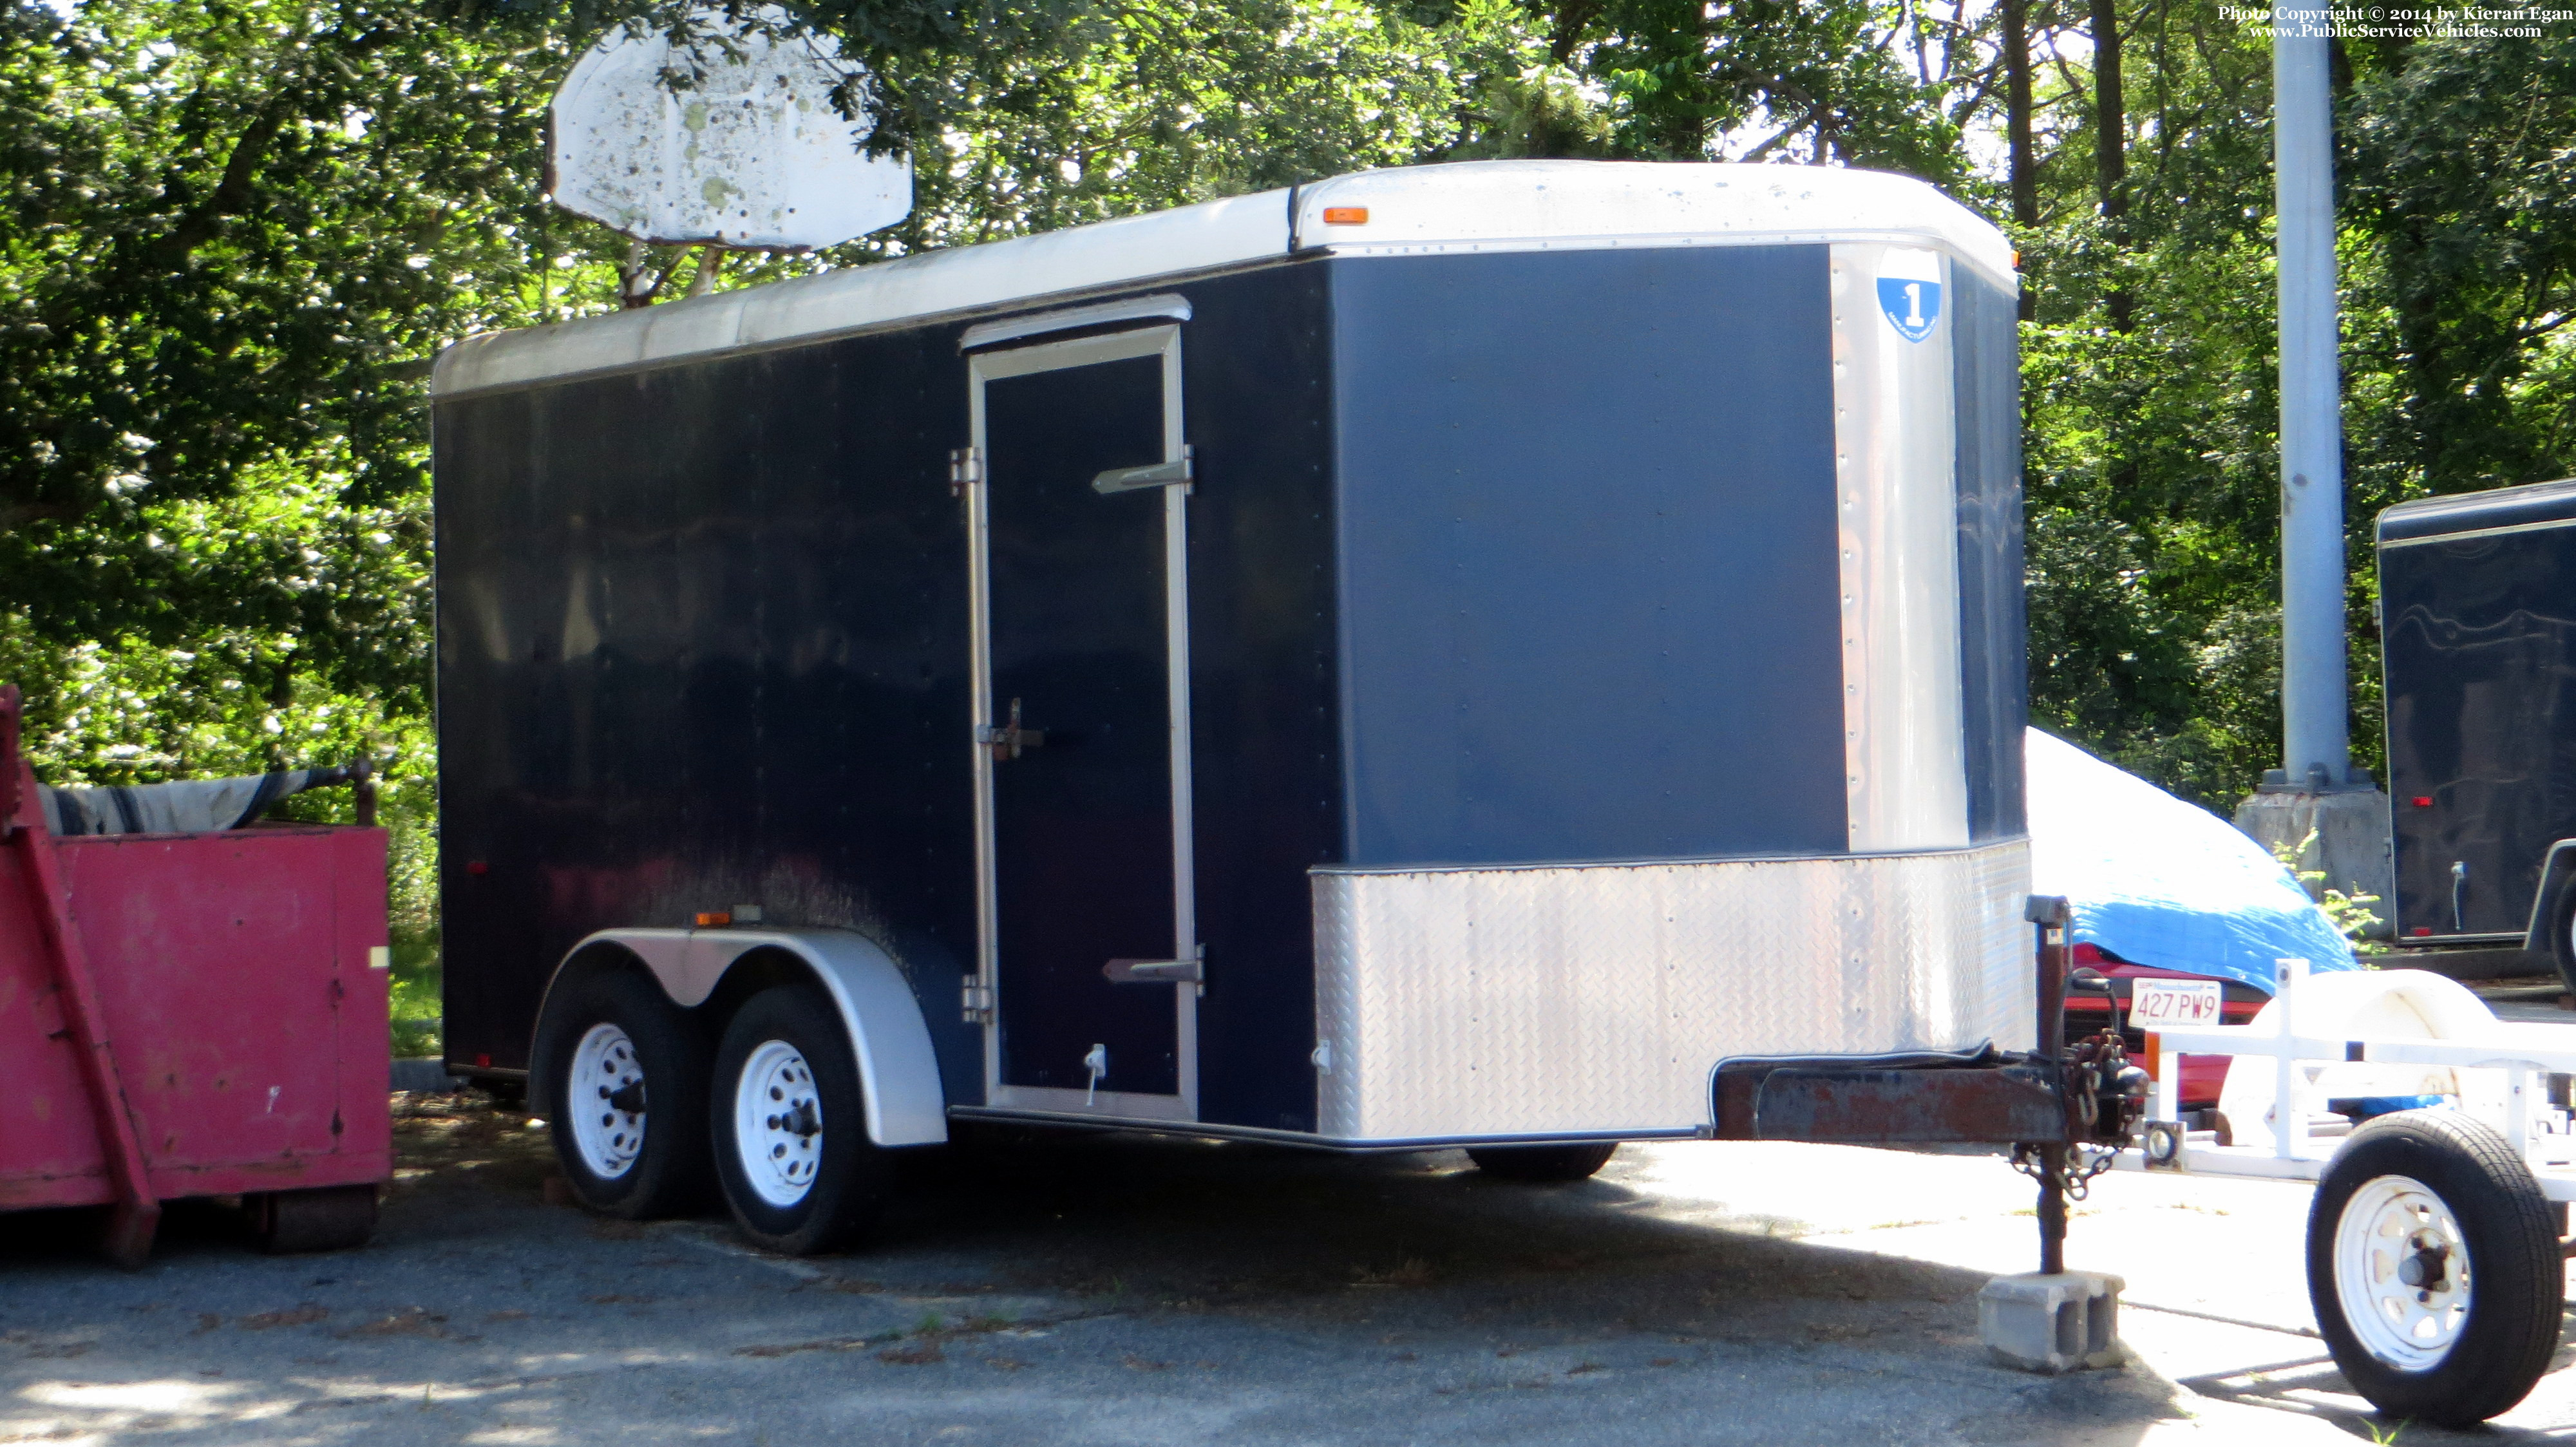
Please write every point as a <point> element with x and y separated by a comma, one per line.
<point>2172,1004</point>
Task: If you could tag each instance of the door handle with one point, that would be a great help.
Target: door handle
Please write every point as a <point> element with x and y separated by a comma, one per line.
<point>1154,972</point>
<point>1136,479</point>
<point>1007,742</point>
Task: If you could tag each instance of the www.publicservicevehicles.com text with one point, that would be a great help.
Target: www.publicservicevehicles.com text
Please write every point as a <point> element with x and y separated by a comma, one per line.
<point>2392,22</point>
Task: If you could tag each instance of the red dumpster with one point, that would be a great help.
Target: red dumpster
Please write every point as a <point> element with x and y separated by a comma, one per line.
<point>192,1015</point>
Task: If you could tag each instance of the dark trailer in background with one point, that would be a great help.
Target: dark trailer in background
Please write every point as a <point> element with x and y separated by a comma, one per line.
<point>1435,656</point>
<point>2478,631</point>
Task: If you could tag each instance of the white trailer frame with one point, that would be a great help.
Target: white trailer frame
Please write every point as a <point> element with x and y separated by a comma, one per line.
<point>2521,1051</point>
<point>2440,1301</point>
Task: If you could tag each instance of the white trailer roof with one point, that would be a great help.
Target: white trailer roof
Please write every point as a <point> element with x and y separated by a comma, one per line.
<point>1412,210</point>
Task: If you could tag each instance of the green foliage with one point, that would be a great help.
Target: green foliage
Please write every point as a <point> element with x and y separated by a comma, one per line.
<point>1176,101</point>
<point>1817,80</point>
<point>2151,463</point>
<point>2461,203</point>
<point>235,233</point>
<point>1543,112</point>
<point>2153,470</point>
<point>2350,914</point>
<point>417,1007</point>
<point>238,230</point>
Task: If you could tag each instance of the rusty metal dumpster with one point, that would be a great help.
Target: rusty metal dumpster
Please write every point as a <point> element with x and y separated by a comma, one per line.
<point>192,1015</point>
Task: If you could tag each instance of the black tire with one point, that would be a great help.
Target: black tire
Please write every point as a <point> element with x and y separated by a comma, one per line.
<point>2562,933</point>
<point>1543,1165</point>
<point>2515,1274</point>
<point>318,1218</point>
<point>811,1101</point>
<point>668,1174</point>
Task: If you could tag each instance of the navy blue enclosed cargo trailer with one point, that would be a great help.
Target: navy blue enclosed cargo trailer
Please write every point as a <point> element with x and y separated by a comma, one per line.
<point>2478,638</point>
<point>1435,656</point>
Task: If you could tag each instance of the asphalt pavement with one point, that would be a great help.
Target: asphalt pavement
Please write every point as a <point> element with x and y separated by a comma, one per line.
<point>1094,1288</point>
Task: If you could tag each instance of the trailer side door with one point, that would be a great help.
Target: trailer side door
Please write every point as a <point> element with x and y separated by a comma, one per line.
<point>1081,726</point>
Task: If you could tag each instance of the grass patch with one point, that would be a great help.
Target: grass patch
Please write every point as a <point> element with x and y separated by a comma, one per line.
<point>417,998</point>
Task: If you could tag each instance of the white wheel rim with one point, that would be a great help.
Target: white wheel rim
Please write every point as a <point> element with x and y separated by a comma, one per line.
<point>2402,1272</point>
<point>606,1077</point>
<point>778,1124</point>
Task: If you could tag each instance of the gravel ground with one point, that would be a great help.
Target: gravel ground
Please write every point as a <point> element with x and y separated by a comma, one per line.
<point>1063,1288</point>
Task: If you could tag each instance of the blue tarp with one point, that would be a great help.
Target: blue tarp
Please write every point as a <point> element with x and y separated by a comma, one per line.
<point>2160,882</point>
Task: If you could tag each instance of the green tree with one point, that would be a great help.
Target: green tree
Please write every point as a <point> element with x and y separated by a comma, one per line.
<point>2152,405</point>
<point>239,229</point>
<point>1807,80</point>
<point>2152,434</point>
<point>2459,195</point>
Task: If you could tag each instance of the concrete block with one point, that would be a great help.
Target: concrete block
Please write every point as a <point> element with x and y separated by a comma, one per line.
<point>2061,1323</point>
<point>2351,847</point>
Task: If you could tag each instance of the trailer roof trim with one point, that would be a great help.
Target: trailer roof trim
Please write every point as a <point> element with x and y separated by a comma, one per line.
<point>1063,319</point>
<point>1536,203</point>
<point>2535,504</point>
<point>1482,205</point>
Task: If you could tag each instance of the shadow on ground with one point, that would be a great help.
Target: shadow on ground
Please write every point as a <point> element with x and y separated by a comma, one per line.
<point>1028,1286</point>
<point>2308,1386</point>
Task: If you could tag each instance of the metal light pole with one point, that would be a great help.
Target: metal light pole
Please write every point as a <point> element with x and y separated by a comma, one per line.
<point>2317,745</point>
<point>2316,790</point>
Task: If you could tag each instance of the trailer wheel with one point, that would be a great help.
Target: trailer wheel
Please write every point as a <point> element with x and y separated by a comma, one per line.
<point>625,1077</point>
<point>320,1218</point>
<point>2436,1279</point>
<point>2562,933</point>
<point>1543,1165</point>
<point>791,1138</point>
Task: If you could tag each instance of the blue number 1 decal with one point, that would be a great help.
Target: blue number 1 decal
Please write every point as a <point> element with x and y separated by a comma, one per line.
<point>1912,305</point>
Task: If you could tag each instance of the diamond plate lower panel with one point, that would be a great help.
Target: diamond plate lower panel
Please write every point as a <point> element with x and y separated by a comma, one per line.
<point>1497,1002</point>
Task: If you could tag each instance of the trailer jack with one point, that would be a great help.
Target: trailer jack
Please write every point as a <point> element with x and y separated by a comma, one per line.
<point>2055,1320</point>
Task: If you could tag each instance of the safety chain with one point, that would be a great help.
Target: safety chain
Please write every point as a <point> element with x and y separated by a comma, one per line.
<point>2077,1184</point>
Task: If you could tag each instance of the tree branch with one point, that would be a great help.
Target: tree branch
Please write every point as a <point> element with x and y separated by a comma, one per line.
<point>233,194</point>
<point>1571,21</point>
<point>1814,114</point>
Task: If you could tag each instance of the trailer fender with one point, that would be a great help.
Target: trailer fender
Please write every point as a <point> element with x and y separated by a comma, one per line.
<point>898,1074</point>
<point>2556,867</point>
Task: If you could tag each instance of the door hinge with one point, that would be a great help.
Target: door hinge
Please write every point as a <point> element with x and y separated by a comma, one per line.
<point>965,469</point>
<point>977,998</point>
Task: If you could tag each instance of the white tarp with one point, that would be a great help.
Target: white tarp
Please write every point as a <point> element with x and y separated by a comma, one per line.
<point>2161,882</point>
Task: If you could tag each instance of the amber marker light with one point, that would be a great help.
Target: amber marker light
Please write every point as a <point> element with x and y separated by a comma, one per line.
<point>1346,215</point>
<point>713,918</point>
